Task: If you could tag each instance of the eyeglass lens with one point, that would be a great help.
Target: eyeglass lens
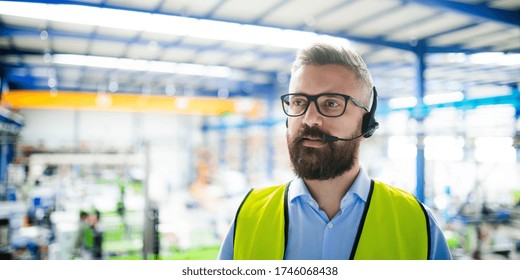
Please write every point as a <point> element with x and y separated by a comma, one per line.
<point>330,105</point>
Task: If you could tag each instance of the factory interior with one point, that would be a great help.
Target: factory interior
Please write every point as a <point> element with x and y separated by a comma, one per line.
<point>143,124</point>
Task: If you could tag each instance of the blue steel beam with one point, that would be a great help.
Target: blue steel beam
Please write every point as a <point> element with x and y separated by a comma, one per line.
<point>510,17</point>
<point>420,53</point>
<point>245,124</point>
<point>466,104</point>
<point>516,142</point>
<point>222,147</point>
<point>456,29</point>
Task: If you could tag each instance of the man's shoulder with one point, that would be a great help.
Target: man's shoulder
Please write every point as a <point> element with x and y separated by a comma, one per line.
<point>395,191</point>
<point>269,188</point>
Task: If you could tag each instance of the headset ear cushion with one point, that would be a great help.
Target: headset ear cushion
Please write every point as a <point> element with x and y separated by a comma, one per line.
<point>368,125</point>
<point>287,123</point>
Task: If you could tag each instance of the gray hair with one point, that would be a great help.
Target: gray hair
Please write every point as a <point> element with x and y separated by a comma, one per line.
<point>327,53</point>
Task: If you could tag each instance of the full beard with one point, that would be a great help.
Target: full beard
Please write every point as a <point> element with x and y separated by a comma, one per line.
<point>328,162</point>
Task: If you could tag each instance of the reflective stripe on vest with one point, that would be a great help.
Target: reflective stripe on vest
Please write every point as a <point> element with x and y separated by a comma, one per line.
<point>394,225</point>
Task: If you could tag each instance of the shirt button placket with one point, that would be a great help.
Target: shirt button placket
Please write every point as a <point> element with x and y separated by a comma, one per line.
<point>327,240</point>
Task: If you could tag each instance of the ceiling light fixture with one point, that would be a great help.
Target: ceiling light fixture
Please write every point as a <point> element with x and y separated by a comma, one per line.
<point>402,102</point>
<point>142,65</point>
<point>164,24</point>
<point>495,58</point>
<point>439,98</point>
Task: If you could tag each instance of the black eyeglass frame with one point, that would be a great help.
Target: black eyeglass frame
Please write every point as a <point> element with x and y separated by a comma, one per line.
<point>314,98</point>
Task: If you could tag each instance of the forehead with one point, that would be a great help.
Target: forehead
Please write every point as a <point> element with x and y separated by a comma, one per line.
<point>316,79</point>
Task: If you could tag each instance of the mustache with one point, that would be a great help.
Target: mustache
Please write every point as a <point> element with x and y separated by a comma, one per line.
<point>312,132</point>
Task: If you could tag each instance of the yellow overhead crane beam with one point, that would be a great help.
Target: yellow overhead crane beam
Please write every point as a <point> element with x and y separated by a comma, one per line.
<point>210,106</point>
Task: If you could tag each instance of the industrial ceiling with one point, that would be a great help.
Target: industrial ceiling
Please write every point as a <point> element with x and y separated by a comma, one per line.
<point>163,47</point>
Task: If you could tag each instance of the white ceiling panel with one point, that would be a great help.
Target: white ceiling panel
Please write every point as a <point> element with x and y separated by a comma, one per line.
<point>241,10</point>
<point>239,61</point>
<point>277,50</point>
<point>505,4</point>
<point>69,45</point>
<point>200,42</point>
<point>510,45</point>
<point>148,4</point>
<point>71,27</point>
<point>24,22</point>
<point>197,8</point>
<point>465,34</point>
<point>150,36</point>
<point>30,43</point>
<point>105,48</point>
<point>493,38</point>
<point>346,17</point>
<point>401,72</point>
<point>116,32</point>
<point>362,49</point>
<point>178,54</point>
<point>434,25</point>
<point>389,55</point>
<point>297,13</point>
<point>143,52</point>
<point>271,65</point>
<point>212,58</point>
<point>397,19</point>
<point>237,46</point>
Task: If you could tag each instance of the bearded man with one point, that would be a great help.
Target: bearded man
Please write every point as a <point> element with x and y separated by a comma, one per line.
<point>332,209</point>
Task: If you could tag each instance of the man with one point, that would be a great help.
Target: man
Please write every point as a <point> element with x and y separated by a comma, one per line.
<point>84,239</point>
<point>332,209</point>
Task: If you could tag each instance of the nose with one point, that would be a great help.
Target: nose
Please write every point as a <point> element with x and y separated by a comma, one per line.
<point>312,117</point>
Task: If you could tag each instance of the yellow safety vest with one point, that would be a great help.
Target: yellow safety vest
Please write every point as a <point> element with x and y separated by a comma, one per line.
<point>394,226</point>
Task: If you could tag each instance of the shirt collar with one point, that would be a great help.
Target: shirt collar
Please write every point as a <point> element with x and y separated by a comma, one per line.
<point>360,188</point>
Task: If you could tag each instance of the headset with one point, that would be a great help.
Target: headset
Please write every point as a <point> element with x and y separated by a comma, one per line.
<point>368,124</point>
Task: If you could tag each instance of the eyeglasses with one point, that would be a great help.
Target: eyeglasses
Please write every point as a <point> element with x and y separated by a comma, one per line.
<point>330,105</point>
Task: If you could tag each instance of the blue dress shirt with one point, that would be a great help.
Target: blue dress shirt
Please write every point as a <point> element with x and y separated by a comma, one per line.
<point>312,236</point>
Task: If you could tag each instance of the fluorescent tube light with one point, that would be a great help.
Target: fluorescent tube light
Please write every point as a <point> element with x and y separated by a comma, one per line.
<point>495,58</point>
<point>402,102</point>
<point>142,65</point>
<point>443,97</point>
